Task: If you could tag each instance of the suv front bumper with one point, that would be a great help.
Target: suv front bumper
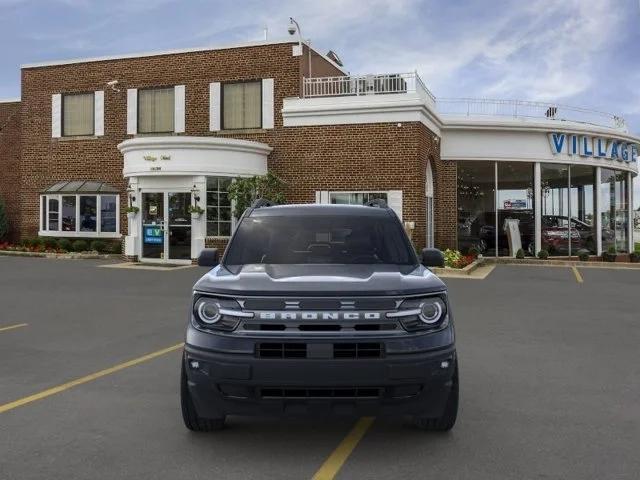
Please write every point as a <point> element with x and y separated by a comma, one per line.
<point>416,382</point>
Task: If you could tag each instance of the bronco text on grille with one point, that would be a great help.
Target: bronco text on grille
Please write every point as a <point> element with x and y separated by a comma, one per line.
<point>323,310</point>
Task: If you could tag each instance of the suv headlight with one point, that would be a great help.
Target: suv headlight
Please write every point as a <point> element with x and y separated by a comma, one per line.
<point>427,313</point>
<point>217,313</point>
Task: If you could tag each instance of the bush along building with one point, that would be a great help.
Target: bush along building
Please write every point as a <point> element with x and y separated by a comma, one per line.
<point>145,150</point>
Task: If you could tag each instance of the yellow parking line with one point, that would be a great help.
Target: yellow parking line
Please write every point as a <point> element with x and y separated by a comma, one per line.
<point>79,381</point>
<point>333,464</point>
<point>11,327</point>
<point>579,278</point>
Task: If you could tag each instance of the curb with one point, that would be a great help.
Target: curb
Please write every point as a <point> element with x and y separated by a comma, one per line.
<point>62,256</point>
<point>468,270</point>
<point>562,263</point>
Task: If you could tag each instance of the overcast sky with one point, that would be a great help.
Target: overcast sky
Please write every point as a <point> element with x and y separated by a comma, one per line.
<point>580,52</point>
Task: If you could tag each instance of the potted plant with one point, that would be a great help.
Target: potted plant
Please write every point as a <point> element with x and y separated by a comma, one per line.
<point>195,211</point>
<point>634,257</point>
<point>132,211</point>
<point>583,255</point>
<point>610,255</point>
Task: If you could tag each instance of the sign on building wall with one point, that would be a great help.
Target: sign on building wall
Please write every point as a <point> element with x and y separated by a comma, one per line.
<point>590,146</point>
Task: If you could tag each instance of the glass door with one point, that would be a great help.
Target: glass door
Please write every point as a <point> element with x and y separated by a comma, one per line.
<point>153,222</point>
<point>179,221</point>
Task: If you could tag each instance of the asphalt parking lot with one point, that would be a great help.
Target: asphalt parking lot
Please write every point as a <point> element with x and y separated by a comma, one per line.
<point>549,368</point>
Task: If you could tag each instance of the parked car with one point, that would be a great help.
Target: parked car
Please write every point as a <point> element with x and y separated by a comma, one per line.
<point>320,309</point>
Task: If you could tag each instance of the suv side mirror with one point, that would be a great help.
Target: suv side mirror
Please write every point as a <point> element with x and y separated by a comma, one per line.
<point>432,257</point>
<point>208,257</point>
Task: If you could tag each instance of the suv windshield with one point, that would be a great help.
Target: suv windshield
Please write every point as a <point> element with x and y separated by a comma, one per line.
<point>322,239</point>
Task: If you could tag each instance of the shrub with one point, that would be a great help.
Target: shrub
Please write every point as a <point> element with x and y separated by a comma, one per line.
<point>520,254</point>
<point>451,257</point>
<point>244,190</point>
<point>634,257</point>
<point>65,244</point>
<point>4,223</point>
<point>50,243</point>
<point>99,246</point>
<point>26,242</point>
<point>115,247</point>
<point>583,255</point>
<point>474,252</point>
<point>37,243</point>
<point>543,254</point>
<point>79,246</point>
<point>612,250</point>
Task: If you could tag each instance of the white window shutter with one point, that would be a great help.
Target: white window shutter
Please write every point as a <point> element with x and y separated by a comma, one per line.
<point>322,196</point>
<point>179,99</point>
<point>98,113</point>
<point>214,106</point>
<point>394,200</point>
<point>56,115</point>
<point>132,111</point>
<point>267,103</point>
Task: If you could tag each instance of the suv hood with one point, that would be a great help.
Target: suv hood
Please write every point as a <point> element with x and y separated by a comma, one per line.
<point>311,280</point>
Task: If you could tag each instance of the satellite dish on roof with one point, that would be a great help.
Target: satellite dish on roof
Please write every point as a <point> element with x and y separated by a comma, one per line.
<point>334,57</point>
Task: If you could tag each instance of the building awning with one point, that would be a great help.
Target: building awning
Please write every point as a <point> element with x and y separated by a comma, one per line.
<point>81,186</point>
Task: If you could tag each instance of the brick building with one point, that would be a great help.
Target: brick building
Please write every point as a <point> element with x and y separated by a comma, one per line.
<point>164,131</point>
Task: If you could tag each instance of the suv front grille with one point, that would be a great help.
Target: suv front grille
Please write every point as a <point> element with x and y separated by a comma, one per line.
<point>337,350</point>
<point>321,392</point>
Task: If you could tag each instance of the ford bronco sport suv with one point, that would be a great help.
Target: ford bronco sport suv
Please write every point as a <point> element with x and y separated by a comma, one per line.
<point>320,309</point>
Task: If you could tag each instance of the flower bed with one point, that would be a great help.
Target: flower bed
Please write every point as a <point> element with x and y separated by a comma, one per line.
<point>455,259</point>
<point>49,245</point>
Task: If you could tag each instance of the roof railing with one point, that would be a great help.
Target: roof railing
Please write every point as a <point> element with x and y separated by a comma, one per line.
<point>411,83</point>
<point>528,110</point>
<point>358,85</point>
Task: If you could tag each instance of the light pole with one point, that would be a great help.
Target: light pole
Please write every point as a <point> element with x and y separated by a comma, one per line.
<point>293,28</point>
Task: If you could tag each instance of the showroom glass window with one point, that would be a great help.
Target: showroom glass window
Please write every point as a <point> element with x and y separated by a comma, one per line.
<point>554,198</point>
<point>241,105</point>
<point>78,114</point>
<point>218,207</point>
<point>355,198</point>
<point>614,209</point>
<point>582,202</point>
<point>156,110</point>
<point>515,203</point>
<point>80,214</point>
<point>476,207</point>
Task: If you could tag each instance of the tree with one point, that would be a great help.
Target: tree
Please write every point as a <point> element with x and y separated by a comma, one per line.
<point>245,190</point>
<point>4,224</point>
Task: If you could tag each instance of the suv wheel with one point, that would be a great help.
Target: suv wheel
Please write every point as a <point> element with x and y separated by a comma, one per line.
<point>189,415</point>
<point>445,422</point>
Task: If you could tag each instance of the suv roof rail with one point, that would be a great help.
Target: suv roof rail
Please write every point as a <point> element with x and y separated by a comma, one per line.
<point>262,202</point>
<point>377,202</point>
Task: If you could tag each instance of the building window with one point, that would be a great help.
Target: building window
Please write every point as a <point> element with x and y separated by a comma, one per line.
<point>156,110</point>
<point>108,213</point>
<point>241,105</point>
<point>219,218</point>
<point>78,114</point>
<point>477,207</point>
<point>355,198</point>
<point>54,212</point>
<point>88,213</point>
<point>614,209</point>
<point>80,215</point>
<point>69,213</point>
